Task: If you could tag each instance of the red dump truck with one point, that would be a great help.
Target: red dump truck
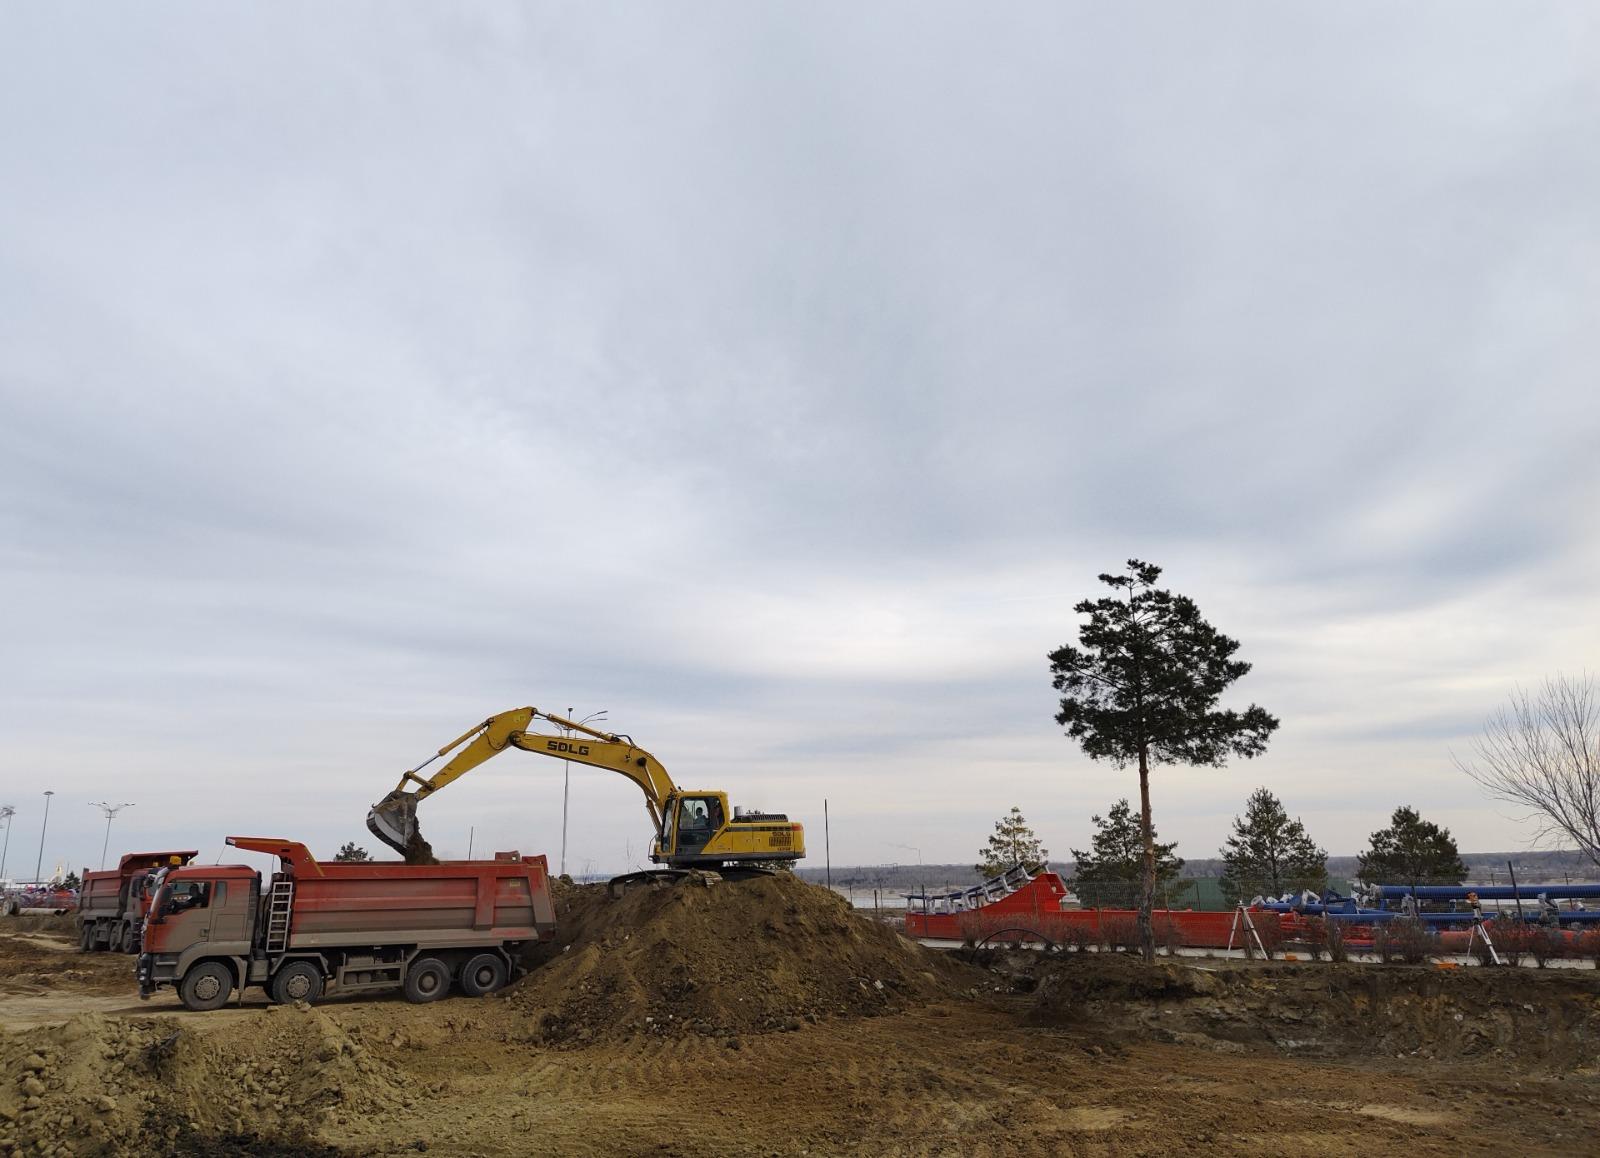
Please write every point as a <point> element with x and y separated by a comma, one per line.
<point>332,927</point>
<point>112,904</point>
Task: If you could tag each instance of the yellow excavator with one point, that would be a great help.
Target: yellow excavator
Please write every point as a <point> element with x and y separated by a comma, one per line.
<point>694,830</point>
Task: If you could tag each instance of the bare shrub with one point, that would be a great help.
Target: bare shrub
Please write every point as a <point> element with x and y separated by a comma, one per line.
<point>1511,940</point>
<point>1546,945</point>
<point>1337,943</point>
<point>1406,940</point>
<point>1588,946</point>
<point>1119,933</point>
<point>1326,936</point>
<point>1076,937</point>
<point>1271,933</point>
<point>1166,931</point>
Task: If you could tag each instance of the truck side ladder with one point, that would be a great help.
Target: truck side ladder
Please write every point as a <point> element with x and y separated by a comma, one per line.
<point>280,903</point>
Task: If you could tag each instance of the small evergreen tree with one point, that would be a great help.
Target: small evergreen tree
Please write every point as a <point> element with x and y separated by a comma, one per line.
<point>1110,876</point>
<point>1269,853</point>
<point>72,881</point>
<point>352,852</point>
<point>1011,843</point>
<point>1411,851</point>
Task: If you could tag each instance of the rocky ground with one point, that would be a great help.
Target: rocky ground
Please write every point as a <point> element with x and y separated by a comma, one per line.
<point>640,1032</point>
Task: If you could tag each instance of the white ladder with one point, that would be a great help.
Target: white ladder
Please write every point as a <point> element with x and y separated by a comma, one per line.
<point>280,903</point>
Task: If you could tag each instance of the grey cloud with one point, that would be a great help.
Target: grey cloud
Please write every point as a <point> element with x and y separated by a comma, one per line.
<point>778,378</point>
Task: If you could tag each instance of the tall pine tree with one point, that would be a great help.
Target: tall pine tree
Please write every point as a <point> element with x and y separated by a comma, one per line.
<point>1142,687</point>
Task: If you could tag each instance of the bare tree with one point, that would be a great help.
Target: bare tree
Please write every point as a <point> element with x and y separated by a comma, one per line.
<point>1542,752</point>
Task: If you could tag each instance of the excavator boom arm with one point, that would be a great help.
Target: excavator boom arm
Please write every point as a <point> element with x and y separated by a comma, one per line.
<point>614,753</point>
<point>393,819</point>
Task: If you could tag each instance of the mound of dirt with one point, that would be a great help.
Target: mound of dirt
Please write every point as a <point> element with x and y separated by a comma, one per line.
<point>148,1087</point>
<point>719,958</point>
<point>1536,1018</point>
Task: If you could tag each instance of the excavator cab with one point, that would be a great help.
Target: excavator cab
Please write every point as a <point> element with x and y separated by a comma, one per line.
<point>695,820</point>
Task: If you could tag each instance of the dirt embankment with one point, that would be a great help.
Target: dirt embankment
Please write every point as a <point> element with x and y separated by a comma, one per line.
<point>149,1086</point>
<point>1549,1020</point>
<point>32,961</point>
<point>719,959</point>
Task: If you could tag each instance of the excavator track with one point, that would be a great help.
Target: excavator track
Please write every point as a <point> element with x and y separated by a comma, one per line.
<point>670,877</point>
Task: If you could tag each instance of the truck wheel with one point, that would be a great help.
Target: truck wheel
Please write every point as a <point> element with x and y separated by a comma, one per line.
<point>86,938</point>
<point>483,974</point>
<point>206,986</point>
<point>297,981</point>
<point>427,980</point>
<point>130,939</point>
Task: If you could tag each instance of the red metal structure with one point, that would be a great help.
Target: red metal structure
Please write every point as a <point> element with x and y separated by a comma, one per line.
<point>1033,912</point>
<point>112,904</point>
<point>342,926</point>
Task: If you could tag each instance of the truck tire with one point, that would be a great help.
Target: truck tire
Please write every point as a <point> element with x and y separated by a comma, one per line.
<point>427,980</point>
<point>483,974</point>
<point>86,938</point>
<point>129,942</point>
<point>207,986</point>
<point>296,981</point>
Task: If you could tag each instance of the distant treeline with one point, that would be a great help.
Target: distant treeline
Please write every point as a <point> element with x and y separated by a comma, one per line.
<point>1485,868</point>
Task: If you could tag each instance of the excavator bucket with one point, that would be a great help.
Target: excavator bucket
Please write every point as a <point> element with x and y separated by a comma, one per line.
<point>393,820</point>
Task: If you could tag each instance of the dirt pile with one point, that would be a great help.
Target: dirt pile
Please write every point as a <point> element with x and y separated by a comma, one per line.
<point>147,1086</point>
<point>1535,1018</point>
<point>418,850</point>
<point>719,958</point>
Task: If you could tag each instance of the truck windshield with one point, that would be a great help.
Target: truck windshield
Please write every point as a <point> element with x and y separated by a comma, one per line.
<point>181,896</point>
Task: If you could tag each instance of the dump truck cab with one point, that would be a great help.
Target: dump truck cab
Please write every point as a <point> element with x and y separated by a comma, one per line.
<point>199,914</point>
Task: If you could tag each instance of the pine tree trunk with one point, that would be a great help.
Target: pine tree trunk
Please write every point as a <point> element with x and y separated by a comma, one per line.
<point>1147,895</point>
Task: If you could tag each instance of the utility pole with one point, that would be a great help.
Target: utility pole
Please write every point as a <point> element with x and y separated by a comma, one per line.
<point>566,782</point>
<point>38,865</point>
<point>110,811</point>
<point>6,813</point>
<point>827,845</point>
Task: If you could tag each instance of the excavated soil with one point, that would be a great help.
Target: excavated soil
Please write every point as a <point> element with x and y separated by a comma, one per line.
<point>150,1086</point>
<point>719,959</point>
<point>1533,1018</point>
<point>1020,1054</point>
<point>49,960</point>
<point>419,851</point>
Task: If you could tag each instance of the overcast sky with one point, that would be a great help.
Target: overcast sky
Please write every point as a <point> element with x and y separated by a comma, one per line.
<point>776,378</point>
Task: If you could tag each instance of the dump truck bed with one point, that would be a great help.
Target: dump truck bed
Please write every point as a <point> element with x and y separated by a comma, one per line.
<point>457,904</point>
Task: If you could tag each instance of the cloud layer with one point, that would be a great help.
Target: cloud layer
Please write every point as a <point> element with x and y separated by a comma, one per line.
<point>777,379</point>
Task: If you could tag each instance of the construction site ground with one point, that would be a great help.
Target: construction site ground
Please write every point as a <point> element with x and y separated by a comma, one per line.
<point>800,1051</point>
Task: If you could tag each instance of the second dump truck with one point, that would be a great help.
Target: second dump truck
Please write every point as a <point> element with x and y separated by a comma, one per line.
<point>112,904</point>
<point>320,928</point>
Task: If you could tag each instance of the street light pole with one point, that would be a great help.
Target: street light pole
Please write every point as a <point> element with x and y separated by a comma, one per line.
<point>6,813</point>
<point>38,865</point>
<point>111,811</point>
